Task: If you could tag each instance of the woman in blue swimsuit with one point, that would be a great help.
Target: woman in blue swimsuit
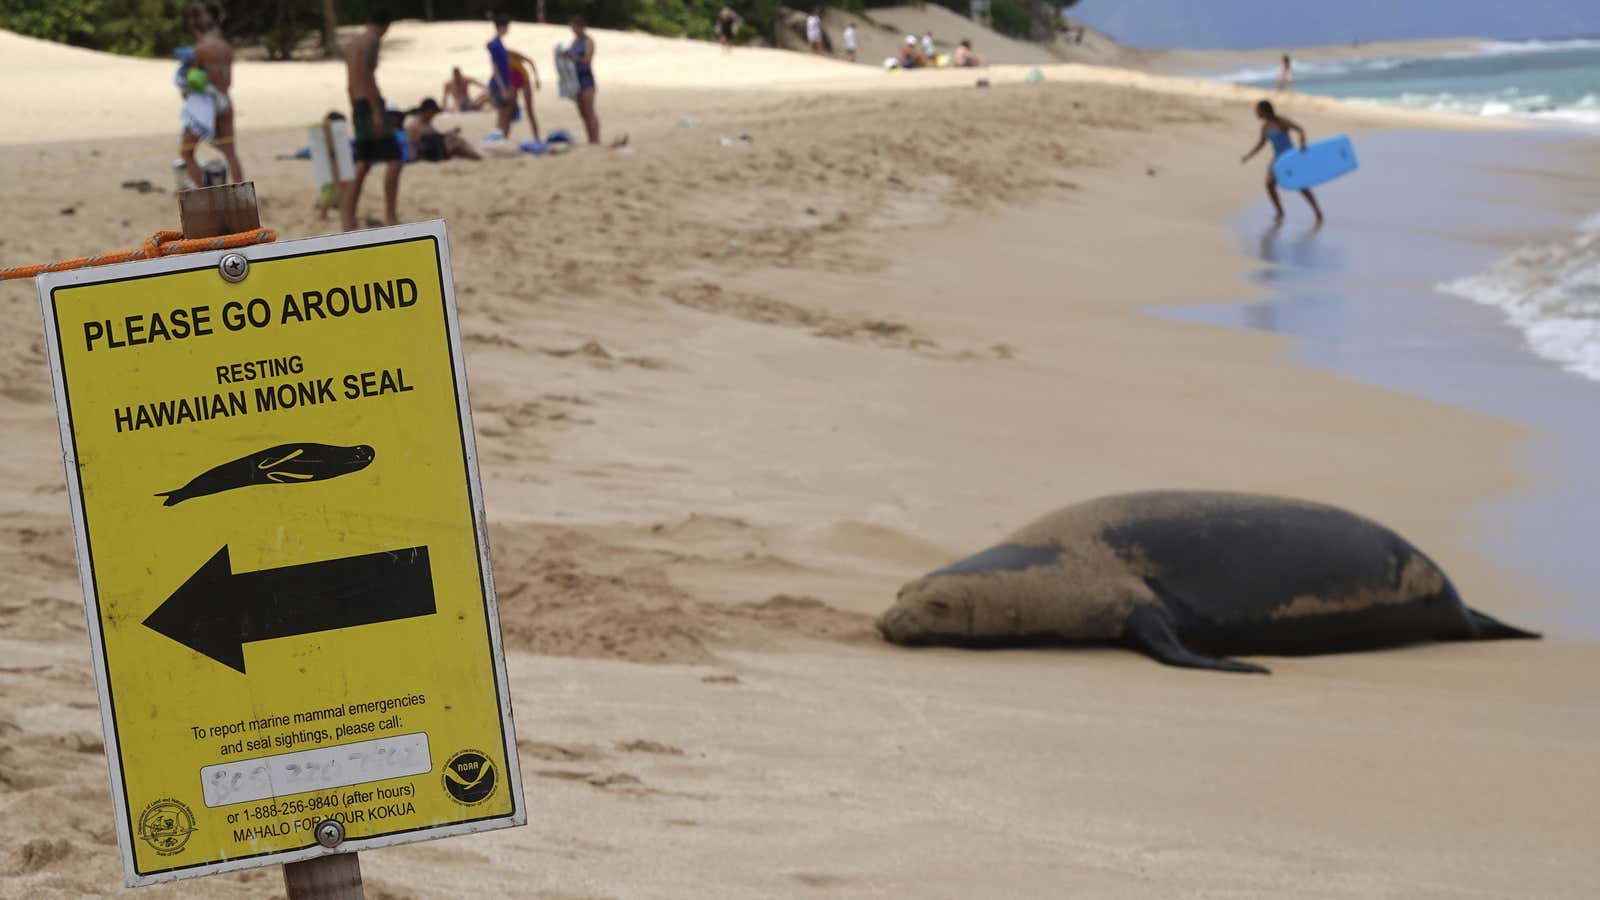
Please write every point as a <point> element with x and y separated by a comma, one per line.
<point>582,55</point>
<point>1276,129</point>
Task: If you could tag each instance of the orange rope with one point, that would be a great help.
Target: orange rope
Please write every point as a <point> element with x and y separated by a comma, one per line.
<point>162,243</point>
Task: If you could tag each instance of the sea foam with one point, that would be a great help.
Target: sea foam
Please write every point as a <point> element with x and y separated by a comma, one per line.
<point>1552,294</point>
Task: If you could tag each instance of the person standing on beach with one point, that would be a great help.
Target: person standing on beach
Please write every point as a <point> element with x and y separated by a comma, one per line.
<point>1286,75</point>
<point>727,24</point>
<point>850,41</point>
<point>207,107</point>
<point>814,30</point>
<point>374,129</point>
<point>582,55</point>
<point>510,79</point>
<point>1276,129</point>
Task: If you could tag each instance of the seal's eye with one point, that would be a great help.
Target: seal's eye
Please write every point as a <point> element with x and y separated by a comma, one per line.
<point>938,606</point>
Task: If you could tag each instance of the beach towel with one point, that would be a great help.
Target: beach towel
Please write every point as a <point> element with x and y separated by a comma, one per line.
<point>329,148</point>
<point>200,109</point>
<point>567,73</point>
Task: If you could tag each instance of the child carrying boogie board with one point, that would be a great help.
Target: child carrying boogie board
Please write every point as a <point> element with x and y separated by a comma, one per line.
<point>1276,129</point>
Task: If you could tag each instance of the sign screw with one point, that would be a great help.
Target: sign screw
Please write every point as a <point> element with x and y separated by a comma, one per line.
<point>234,267</point>
<point>330,834</point>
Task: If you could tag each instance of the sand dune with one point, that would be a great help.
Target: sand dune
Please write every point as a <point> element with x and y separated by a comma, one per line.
<point>67,94</point>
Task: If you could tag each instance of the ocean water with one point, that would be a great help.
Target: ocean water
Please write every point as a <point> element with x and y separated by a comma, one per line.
<point>1556,81</point>
<point>1360,298</point>
<point>1550,290</point>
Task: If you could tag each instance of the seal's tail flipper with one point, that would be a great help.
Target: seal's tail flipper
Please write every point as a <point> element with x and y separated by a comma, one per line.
<point>173,497</point>
<point>1148,629</point>
<point>1488,628</point>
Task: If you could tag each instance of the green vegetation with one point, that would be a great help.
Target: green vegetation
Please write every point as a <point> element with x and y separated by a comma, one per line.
<point>137,27</point>
<point>1011,17</point>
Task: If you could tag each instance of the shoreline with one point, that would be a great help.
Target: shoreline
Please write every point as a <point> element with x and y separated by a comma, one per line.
<point>1210,63</point>
<point>1468,355</point>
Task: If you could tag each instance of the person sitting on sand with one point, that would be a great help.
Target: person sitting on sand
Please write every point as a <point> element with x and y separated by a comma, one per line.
<point>965,57</point>
<point>458,94</point>
<point>428,143</point>
<point>911,57</point>
<point>207,106</point>
<point>928,48</point>
<point>1276,129</point>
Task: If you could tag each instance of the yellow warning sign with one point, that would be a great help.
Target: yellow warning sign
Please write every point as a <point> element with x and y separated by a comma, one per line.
<point>281,540</point>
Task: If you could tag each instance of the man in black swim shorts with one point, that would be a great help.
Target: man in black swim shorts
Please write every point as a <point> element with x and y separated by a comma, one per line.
<point>374,127</point>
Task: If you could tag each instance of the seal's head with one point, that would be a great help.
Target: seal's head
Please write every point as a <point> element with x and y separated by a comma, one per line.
<point>1019,591</point>
<point>928,610</point>
<point>357,458</point>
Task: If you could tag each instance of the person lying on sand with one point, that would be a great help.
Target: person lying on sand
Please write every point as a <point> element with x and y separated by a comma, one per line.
<point>1276,129</point>
<point>428,143</point>
<point>458,93</point>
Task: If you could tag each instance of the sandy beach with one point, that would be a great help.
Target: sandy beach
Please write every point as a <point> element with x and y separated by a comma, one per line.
<point>729,398</point>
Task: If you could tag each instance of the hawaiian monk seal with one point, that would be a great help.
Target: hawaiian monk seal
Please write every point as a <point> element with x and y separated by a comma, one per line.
<point>283,464</point>
<point>1187,576</point>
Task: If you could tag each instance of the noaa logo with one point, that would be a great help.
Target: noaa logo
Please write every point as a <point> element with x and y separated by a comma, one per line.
<point>469,777</point>
<point>166,825</point>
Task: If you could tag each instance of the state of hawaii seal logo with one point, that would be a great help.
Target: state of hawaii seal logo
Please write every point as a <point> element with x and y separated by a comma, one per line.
<point>166,825</point>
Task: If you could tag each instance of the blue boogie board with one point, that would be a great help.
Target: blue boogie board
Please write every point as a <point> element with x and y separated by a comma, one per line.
<point>1318,163</point>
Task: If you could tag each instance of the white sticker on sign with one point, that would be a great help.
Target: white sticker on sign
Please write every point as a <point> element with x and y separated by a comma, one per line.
<point>249,780</point>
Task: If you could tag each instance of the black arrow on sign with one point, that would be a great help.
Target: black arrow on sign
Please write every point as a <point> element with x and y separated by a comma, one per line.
<point>217,611</point>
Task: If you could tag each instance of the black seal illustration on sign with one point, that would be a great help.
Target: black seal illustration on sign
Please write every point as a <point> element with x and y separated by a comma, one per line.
<point>469,777</point>
<point>166,825</point>
<point>283,464</point>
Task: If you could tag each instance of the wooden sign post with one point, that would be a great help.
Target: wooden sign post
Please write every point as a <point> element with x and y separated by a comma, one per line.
<point>324,878</point>
<point>214,211</point>
<point>210,212</point>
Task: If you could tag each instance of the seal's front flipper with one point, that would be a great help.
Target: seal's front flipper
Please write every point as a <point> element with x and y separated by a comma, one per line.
<point>1150,630</point>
